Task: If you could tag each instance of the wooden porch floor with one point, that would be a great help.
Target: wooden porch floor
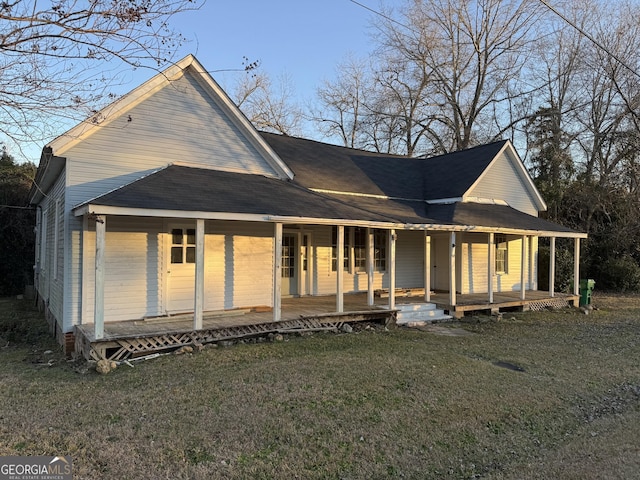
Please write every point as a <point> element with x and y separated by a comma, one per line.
<point>124,339</point>
<point>534,300</point>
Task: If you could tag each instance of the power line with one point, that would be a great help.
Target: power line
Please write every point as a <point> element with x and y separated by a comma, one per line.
<point>386,17</point>
<point>590,38</point>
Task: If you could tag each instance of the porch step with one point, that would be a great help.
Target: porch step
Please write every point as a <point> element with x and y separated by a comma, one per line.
<point>415,314</point>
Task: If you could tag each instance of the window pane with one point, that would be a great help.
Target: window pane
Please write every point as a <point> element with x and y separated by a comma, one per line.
<point>176,235</point>
<point>502,253</point>
<point>191,255</point>
<point>176,254</point>
<point>191,236</point>
<point>380,251</point>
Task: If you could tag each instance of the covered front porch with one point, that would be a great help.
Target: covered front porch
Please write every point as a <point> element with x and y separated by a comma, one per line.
<point>134,338</point>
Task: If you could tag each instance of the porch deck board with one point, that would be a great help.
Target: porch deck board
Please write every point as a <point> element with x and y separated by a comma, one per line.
<point>501,300</point>
<point>292,309</point>
<point>302,307</point>
<point>123,339</point>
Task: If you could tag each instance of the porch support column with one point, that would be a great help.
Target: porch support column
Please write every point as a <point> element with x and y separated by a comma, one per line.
<point>340,270</point>
<point>370,267</point>
<point>277,272</point>
<point>552,266</point>
<point>523,266</point>
<point>198,300</point>
<point>98,312</point>
<point>452,269</point>
<point>576,266</point>
<point>491,266</point>
<point>392,269</point>
<point>427,267</point>
<point>532,266</point>
<point>86,267</point>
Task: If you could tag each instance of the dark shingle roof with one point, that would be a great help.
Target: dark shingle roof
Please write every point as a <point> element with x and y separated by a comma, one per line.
<point>194,189</point>
<point>490,215</point>
<point>330,167</point>
<point>183,188</point>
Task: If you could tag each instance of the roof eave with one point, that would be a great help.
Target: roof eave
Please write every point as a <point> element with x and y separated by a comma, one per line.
<point>49,170</point>
<point>95,209</point>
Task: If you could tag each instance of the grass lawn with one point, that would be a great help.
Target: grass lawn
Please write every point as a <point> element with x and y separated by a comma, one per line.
<point>553,395</point>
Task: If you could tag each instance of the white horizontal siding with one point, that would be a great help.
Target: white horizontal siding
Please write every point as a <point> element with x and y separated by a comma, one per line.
<point>474,265</point>
<point>179,123</point>
<point>410,260</point>
<point>51,267</point>
<point>133,275</point>
<point>502,181</point>
<point>240,265</point>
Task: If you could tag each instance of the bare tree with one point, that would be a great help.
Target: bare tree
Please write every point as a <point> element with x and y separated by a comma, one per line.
<point>52,55</point>
<point>343,109</point>
<point>445,72</point>
<point>268,107</point>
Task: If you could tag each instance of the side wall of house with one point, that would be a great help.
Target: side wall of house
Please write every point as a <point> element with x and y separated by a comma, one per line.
<point>50,264</point>
<point>474,265</point>
<point>503,181</point>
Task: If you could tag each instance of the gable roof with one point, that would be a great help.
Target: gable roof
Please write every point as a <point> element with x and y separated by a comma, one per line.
<point>332,168</point>
<point>188,65</point>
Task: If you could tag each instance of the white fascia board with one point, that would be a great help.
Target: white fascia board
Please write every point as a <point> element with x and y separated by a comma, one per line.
<point>333,221</point>
<point>364,195</point>
<point>91,209</point>
<point>112,111</point>
<point>486,201</point>
<point>439,201</point>
<point>242,122</point>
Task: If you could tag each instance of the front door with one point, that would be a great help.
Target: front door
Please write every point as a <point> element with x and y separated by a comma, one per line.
<point>440,263</point>
<point>181,269</point>
<point>290,259</point>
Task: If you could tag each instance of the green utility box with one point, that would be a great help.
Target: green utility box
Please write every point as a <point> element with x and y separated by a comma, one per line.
<point>586,289</point>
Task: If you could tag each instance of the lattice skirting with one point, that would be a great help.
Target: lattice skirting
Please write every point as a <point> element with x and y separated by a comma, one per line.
<point>119,349</point>
<point>549,304</point>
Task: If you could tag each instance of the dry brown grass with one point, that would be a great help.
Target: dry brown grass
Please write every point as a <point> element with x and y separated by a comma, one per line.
<point>371,404</point>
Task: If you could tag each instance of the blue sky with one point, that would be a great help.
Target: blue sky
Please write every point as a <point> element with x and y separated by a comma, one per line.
<point>303,39</point>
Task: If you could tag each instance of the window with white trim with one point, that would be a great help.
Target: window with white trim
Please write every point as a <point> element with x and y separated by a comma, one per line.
<point>355,249</point>
<point>183,245</point>
<point>359,249</point>
<point>380,250</point>
<point>334,249</point>
<point>502,253</point>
